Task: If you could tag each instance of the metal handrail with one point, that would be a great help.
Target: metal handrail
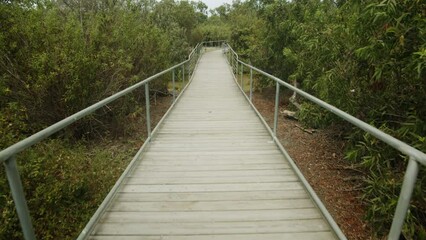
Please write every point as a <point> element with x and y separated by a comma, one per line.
<point>45,133</point>
<point>415,156</point>
<point>8,155</point>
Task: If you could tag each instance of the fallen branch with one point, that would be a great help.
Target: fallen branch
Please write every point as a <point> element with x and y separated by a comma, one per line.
<point>310,131</point>
<point>290,114</point>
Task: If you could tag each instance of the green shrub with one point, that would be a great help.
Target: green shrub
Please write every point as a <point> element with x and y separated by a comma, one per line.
<point>63,184</point>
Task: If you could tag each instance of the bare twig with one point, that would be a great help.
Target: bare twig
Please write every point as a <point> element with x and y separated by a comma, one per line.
<point>310,131</point>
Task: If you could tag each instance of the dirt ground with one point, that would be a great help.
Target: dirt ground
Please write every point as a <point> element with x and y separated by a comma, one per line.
<point>319,155</point>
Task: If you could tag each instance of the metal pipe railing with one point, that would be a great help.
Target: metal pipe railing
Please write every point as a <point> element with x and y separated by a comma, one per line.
<point>414,154</point>
<point>8,155</point>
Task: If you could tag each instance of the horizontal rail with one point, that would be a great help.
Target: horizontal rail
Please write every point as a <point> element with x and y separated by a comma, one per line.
<point>391,141</point>
<point>415,155</point>
<point>45,133</point>
<point>337,231</point>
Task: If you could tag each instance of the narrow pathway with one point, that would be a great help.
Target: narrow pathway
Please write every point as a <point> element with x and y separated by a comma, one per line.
<point>212,172</point>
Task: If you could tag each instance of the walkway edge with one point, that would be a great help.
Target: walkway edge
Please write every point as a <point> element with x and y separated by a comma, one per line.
<point>336,229</point>
<point>85,233</point>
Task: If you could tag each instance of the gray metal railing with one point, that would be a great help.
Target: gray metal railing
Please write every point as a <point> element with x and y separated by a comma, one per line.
<point>415,156</point>
<point>8,155</point>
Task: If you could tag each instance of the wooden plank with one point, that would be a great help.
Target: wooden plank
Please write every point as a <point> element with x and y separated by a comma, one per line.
<point>165,161</point>
<point>254,142</point>
<point>242,173</point>
<point>211,180</point>
<point>212,196</point>
<point>312,225</point>
<point>211,216</point>
<point>211,123</point>
<point>225,143</point>
<point>212,153</point>
<point>235,187</point>
<point>229,167</point>
<point>211,205</point>
<point>214,140</point>
<point>265,236</point>
<point>214,159</point>
<point>211,148</point>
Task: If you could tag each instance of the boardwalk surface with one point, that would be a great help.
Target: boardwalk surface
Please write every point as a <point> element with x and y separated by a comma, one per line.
<point>212,172</point>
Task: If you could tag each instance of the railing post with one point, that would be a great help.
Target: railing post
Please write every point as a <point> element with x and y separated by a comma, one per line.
<point>148,114</point>
<point>251,84</point>
<point>232,63</point>
<point>242,74</point>
<point>277,99</point>
<point>173,85</point>
<point>236,68</point>
<point>17,190</point>
<point>408,185</point>
<point>231,60</point>
<point>183,75</point>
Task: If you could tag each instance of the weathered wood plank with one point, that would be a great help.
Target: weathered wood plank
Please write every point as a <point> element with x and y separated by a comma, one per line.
<point>211,205</point>
<point>212,153</point>
<point>209,180</point>
<point>264,236</point>
<point>211,216</point>
<point>241,173</point>
<point>289,226</point>
<point>210,162</point>
<point>212,196</point>
<point>218,154</point>
<point>236,187</point>
<point>229,167</point>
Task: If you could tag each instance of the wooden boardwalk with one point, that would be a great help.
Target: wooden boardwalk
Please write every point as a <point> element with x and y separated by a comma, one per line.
<point>212,172</point>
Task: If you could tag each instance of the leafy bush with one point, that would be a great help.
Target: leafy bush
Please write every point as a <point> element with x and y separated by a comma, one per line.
<point>58,178</point>
<point>59,57</point>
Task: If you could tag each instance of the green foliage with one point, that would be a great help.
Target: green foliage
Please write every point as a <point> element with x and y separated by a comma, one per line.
<point>58,179</point>
<point>213,29</point>
<point>59,57</point>
<point>314,116</point>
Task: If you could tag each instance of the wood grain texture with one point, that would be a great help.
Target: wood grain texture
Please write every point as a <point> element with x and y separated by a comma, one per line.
<point>212,171</point>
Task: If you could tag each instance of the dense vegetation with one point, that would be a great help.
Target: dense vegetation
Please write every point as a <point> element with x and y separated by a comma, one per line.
<point>58,57</point>
<point>365,57</point>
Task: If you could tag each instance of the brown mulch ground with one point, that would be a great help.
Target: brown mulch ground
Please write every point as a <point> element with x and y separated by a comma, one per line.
<point>320,158</point>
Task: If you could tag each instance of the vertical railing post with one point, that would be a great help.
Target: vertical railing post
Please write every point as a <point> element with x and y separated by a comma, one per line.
<point>408,185</point>
<point>277,99</point>
<point>183,75</point>
<point>173,85</point>
<point>148,114</point>
<point>251,84</point>
<point>232,63</point>
<point>242,74</point>
<point>17,190</point>
<point>236,68</point>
